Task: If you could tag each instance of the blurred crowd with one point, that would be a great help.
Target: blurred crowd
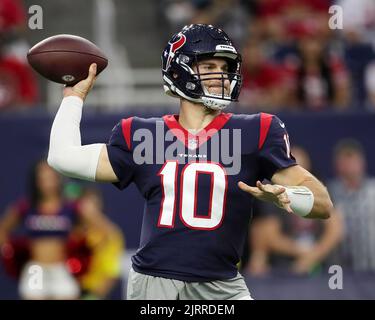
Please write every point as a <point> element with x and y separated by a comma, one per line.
<point>18,83</point>
<point>280,243</point>
<point>292,60</point>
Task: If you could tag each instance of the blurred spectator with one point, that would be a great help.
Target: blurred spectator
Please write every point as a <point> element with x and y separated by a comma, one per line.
<point>283,20</point>
<point>105,262</point>
<point>287,243</point>
<point>12,28</point>
<point>359,59</point>
<point>353,193</point>
<point>48,221</point>
<point>228,15</point>
<point>264,82</point>
<point>18,85</point>
<point>358,20</point>
<point>12,16</point>
<point>318,77</point>
<point>359,36</point>
<point>178,13</point>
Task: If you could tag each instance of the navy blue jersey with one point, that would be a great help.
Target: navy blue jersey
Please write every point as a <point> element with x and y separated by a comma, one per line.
<point>196,218</point>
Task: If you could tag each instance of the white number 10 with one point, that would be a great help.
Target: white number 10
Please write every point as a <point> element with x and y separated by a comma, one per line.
<point>188,195</point>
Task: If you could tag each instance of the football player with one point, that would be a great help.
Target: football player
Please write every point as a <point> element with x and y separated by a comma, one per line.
<point>200,182</point>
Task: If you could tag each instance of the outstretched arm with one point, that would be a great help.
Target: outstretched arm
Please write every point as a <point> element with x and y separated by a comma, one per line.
<point>286,180</point>
<point>66,152</point>
<point>294,189</point>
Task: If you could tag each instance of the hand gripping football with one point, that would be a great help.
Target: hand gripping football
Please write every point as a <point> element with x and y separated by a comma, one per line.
<point>66,58</point>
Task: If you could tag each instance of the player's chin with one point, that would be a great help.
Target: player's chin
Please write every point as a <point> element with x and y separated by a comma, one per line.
<point>218,91</point>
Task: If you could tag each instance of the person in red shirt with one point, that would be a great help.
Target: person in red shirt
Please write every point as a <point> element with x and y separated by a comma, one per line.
<point>264,84</point>
<point>283,20</point>
<point>12,15</point>
<point>18,85</point>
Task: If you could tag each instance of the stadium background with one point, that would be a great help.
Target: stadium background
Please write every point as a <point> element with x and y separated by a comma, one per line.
<point>133,34</point>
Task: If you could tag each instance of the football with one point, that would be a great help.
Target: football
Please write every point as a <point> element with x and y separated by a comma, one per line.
<point>66,58</point>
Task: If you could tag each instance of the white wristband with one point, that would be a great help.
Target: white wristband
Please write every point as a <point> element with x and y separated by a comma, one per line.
<point>301,199</point>
<point>66,154</point>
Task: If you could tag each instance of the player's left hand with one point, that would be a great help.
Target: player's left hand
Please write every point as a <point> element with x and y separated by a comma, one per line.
<point>268,192</point>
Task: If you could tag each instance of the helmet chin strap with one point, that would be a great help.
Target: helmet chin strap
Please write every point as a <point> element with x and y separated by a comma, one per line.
<point>215,103</point>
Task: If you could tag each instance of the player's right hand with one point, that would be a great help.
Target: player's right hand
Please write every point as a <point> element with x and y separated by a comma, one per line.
<point>82,88</point>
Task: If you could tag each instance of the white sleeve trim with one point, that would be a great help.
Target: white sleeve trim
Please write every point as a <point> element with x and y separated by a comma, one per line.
<point>66,154</point>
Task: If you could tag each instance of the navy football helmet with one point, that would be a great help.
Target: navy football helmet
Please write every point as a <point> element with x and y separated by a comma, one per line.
<point>191,45</point>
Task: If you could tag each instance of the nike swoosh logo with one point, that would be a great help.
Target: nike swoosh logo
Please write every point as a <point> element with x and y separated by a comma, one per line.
<point>282,125</point>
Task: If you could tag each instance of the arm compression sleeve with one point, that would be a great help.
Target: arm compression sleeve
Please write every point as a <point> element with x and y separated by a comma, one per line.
<point>66,154</point>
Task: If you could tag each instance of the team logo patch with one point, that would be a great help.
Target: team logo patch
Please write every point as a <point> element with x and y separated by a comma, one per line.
<point>174,46</point>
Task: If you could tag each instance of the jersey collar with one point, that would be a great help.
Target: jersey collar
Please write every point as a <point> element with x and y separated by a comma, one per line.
<point>193,141</point>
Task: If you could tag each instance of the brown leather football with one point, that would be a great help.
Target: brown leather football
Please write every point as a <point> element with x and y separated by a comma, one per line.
<point>66,58</point>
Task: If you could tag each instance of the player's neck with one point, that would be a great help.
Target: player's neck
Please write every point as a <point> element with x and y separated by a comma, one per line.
<point>195,116</point>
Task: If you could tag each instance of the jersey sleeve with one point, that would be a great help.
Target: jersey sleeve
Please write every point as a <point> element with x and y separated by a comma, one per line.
<point>120,153</point>
<point>274,146</point>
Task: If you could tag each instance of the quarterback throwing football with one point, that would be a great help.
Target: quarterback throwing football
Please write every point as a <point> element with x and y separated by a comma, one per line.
<point>200,186</point>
